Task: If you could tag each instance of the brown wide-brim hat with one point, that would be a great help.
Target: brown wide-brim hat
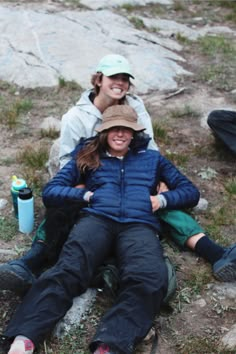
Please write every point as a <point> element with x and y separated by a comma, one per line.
<point>120,116</point>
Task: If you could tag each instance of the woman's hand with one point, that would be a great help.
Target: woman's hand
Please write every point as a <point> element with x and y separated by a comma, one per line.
<point>80,186</point>
<point>88,194</point>
<point>155,203</point>
<point>162,187</point>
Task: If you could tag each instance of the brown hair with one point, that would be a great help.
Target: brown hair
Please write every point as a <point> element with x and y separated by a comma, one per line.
<point>89,156</point>
<point>95,80</point>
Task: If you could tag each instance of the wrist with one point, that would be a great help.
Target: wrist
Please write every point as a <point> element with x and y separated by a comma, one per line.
<point>87,196</point>
<point>162,201</point>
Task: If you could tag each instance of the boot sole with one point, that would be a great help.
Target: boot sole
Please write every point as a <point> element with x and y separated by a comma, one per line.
<point>227,273</point>
<point>9,280</point>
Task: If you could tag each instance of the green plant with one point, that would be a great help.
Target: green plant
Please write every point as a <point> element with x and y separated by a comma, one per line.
<point>160,133</point>
<point>35,179</point>
<point>74,3</point>
<point>77,339</point>
<point>230,4</point>
<point>70,85</point>
<point>8,228</point>
<point>177,159</point>
<point>199,345</point>
<point>154,29</point>
<point>231,16</point>
<point>35,158</point>
<point>179,6</point>
<point>219,218</point>
<point>128,7</point>
<point>137,22</point>
<point>212,46</point>
<point>10,115</point>
<point>73,342</point>
<point>23,106</point>
<point>182,39</point>
<point>198,279</point>
<point>230,186</point>
<point>184,112</point>
<point>61,82</point>
<point>50,133</point>
<point>219,71</point>
<point>183,296</point>
<point>4,85</point>
<point>215,74</point>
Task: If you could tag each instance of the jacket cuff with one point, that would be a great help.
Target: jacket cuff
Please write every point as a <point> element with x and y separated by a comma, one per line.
<point>162,200</point>
<point>87,196</point>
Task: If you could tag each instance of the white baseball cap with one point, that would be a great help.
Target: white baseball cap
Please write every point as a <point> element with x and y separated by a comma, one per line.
<point>113,64</point>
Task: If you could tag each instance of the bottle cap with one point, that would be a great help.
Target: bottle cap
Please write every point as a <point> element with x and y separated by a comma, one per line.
<point>18,183</point>
<point>25,193</point>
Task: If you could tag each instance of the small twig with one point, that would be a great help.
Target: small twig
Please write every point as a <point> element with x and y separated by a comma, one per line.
<point>175,93</point>
<point>45,347</point>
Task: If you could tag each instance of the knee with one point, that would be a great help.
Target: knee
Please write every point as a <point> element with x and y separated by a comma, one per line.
<point>217,118</point>
<point>156,287</point>
<point>64,280</point>
<point>157,280</point>
<point>212,118</point>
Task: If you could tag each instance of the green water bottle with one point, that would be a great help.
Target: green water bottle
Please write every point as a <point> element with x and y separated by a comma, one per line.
<point>17,184</point>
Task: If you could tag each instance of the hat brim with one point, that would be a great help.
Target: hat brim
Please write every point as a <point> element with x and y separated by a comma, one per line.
<point>120,123</point>
<point>115,71</point>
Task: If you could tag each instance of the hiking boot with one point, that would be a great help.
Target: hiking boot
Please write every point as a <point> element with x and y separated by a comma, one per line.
<point>104,349</point>
<point>225,268</point>
<point>15,276</point>
<point>22,345</point>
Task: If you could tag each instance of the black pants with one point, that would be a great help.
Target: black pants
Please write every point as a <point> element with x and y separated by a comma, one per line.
<point>223,125</point>
<point>143,283</point>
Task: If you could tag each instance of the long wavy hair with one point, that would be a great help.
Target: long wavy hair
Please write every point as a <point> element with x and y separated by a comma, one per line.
<point>89,156</point>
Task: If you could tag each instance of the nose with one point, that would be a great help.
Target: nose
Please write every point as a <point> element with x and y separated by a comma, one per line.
<point>119,80</point>
<point>120,131</point>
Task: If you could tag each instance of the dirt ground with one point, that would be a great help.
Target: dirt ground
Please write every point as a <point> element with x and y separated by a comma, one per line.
<point>186,326</point>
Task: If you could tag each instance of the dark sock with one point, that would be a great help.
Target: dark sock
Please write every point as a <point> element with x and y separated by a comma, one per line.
<point>35,258</point>
<point>209,250</point>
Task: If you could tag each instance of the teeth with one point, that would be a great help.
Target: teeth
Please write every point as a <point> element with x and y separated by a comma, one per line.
<point>116,90</point>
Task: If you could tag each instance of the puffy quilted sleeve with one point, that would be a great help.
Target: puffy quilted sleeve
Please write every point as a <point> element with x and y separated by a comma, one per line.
<point>61,189</point>
<point>183,193</point>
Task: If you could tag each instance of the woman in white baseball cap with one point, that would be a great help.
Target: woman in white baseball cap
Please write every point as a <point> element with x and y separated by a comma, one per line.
<point>113,64</point>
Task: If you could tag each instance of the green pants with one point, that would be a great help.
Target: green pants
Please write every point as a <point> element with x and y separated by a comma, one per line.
<point>180,225</point>
<point>40,234</point>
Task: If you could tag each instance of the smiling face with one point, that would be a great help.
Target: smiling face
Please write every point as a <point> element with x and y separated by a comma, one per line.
<point>119,139</point>
<point>114,87</point>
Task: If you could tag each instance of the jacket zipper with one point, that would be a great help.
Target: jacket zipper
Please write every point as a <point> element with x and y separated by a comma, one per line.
<point>122,192</point>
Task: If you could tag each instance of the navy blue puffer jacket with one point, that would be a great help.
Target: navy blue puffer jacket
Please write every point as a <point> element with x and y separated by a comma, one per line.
<point>122,188</point>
